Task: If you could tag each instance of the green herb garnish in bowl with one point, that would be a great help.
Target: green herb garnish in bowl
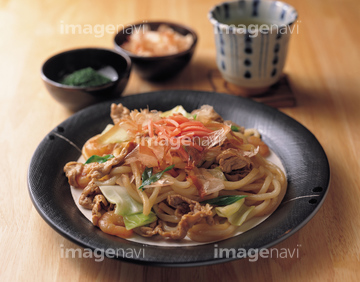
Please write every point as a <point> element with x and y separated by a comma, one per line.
<point>87,77</point>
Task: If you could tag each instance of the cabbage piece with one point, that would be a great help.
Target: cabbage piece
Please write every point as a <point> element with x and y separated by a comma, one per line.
<point>118,195</point>
<point>115,134</point>
<point>107,128</point>
<point>229,210</point>
<point>178,109</point>
<point>217,173</point>
<point>240,216</point>
<point>138,219</point>
<point>236,212</point>
<point>126,206</point>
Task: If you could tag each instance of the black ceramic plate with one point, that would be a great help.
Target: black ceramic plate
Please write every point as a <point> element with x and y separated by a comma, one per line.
<point>304,160</point>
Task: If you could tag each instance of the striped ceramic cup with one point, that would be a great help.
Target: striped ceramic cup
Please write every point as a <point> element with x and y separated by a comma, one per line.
<point>251,38</point>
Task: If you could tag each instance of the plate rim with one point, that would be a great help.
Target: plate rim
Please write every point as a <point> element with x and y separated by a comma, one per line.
<point>75,240</point>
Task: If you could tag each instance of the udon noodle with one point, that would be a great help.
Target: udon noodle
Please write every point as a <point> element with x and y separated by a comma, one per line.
<point>175,174</point>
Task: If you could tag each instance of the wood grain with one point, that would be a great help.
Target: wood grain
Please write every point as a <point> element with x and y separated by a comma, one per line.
<point>322,71</point>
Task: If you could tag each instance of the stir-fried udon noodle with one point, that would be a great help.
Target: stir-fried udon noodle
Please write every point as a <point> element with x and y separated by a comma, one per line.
<point>175,174</point>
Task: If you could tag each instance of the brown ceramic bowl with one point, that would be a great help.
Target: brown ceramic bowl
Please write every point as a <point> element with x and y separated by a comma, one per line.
<point>75,97</point>
<point>161,67</point>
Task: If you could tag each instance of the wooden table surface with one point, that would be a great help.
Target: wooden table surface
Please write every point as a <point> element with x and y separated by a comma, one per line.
<point>323,72</point>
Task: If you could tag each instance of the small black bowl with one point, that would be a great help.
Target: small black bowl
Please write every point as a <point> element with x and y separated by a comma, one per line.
<point>78,97</point>
<point>160,67</point>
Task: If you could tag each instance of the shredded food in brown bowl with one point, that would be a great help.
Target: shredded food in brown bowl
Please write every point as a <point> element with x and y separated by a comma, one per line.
<point>153,43</point>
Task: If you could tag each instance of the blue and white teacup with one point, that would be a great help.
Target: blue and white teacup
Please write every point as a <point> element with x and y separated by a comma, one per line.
<point>251,38</point>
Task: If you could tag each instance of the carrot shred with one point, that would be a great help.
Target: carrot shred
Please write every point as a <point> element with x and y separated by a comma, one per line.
<point>161,129</point>
<point>177,131</point>
<point>192,128</point>
<point>167,121</point>
<point>151,128</point>
<point>191,123</point>
<point>172,122</point>
<point>179,118</point>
